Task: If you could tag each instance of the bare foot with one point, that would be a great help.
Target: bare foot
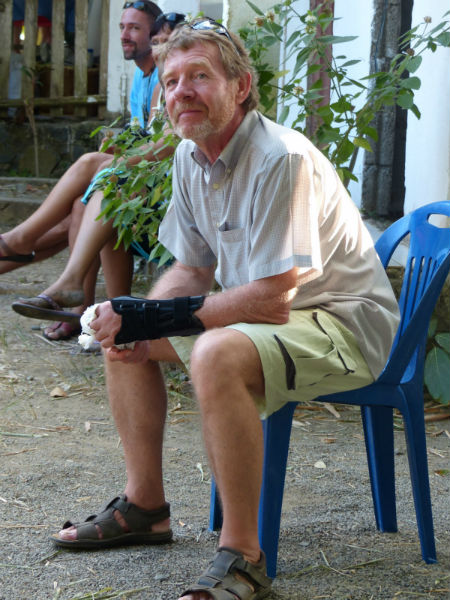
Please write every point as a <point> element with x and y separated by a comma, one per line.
<point>60,331</point>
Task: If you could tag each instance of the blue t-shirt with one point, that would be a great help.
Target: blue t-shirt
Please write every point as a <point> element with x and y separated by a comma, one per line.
<point>141,95</point>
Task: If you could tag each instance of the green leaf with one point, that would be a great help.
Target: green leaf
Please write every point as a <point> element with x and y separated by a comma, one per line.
<point>337,39</point>
<point>284,114</point>
<point>371,132</point>
<point>443,339</point>
<point>437,374</point>
<point>432,327</point>
<point>342,105</point>
<point>413,63</point>
<point>362,143</point>
<point>405,100</point>
<point>416,111</point>
<point>444,39</point>
<point>410,83</point>
<point>255,8</point>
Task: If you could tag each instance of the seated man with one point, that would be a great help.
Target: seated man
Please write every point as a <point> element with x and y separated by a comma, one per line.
<point>305,307</point>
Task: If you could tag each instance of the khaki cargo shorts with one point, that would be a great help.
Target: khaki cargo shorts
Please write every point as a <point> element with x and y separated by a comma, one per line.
<point>310,356</point>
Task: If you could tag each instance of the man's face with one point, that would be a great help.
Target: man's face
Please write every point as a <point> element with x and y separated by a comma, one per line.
<point>135,33</point>
<point>202,103</point>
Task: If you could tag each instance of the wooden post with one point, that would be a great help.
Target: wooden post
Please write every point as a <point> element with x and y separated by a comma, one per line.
<point>5,49</point>
<point>29,51</point>
<point>313,122</point>
<point>57,72</point>
<point>81,55</point>
<point>104,47</point>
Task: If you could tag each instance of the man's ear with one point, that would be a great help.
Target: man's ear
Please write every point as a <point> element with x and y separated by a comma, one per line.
<point>244,85</point>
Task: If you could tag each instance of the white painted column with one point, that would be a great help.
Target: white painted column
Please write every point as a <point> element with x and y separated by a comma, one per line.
<point>120,71</point>
<point>427,172</point>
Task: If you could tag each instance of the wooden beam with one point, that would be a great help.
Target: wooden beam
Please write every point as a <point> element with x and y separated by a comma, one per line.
<point>29,51</point>
<point>104,49</point>
<point>81,54</point>
<point>87,100</point>
<point>57,72</point>
<point>5,50</point>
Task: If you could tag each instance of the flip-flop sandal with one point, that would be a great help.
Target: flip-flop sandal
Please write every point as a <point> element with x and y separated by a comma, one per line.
<point>12,256</point>
<point>66,331</point>
<point>230,576</point>
<point>44,307</point>
<point>138,520</point>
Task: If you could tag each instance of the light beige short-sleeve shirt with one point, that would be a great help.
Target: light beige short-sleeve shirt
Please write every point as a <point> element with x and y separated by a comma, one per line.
<point>270,202</point>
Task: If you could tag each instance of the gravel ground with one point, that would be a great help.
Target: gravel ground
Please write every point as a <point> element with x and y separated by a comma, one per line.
<point>61,458</point>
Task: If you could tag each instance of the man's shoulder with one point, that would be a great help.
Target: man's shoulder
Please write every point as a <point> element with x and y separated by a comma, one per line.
<point>274,141</point>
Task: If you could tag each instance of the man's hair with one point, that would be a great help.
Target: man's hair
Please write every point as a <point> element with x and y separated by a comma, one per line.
<point>235,59</point>
<point>151,10</point>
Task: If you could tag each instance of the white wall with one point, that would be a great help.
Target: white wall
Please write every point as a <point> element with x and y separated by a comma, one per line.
<point>428,138</point>
<point>120,71</point>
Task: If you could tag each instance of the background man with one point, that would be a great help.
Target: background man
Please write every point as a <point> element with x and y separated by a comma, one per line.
<point>306,307</point>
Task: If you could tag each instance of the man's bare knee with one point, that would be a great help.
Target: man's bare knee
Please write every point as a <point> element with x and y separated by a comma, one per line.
<point>220,355</point>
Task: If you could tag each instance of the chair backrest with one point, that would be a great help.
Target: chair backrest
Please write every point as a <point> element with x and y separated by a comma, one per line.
<point>426,268</point>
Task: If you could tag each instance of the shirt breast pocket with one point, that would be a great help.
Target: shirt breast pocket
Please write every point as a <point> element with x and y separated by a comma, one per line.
<point>232,257</point>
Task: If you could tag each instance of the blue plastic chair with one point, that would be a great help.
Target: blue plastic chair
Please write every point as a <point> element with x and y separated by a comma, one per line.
<point>399,386</point>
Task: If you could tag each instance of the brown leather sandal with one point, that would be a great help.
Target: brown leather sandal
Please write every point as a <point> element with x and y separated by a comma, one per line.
<point>138,520</point>
<point>229,577</point>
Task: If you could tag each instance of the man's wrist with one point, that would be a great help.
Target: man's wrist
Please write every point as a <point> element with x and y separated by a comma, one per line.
<point>154,319</point>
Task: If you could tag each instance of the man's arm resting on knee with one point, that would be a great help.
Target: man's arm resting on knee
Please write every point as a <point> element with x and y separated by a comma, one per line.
<point>267,300</point>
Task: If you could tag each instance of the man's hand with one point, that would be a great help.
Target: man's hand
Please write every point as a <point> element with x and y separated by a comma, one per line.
<point>139,354</point>
<point>106,324</point>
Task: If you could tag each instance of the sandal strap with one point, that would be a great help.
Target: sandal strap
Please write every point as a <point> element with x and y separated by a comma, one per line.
<point>137,519</point>
<point>220,581</point>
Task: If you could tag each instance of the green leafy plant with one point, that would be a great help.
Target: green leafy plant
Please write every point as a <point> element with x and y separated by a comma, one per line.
<point>341,128</point>
<point>437,364</point>
<point>136,196</point>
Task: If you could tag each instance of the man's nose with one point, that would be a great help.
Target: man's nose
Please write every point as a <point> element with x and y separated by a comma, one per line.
<point>184,89</point>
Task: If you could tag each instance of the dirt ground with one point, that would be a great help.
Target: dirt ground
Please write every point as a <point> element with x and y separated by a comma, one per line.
<point>61,458</point>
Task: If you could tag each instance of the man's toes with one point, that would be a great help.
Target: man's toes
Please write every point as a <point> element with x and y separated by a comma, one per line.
<point>68,534</point>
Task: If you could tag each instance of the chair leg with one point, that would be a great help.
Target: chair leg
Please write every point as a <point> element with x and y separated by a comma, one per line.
<point>418,467</point>
<point>215,510</point>
<point>277,431</point>
<point>379,437</point>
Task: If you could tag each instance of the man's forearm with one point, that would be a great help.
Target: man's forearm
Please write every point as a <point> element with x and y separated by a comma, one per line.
<point>179,280</point>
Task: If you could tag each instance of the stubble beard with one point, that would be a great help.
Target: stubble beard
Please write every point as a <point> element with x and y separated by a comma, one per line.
<point>197,132</point>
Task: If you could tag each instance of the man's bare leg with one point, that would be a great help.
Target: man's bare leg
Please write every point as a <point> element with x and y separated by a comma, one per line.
<point>226,370</point>
<point>138,402</point>
<point>58,204</point>
<point>92,236</point>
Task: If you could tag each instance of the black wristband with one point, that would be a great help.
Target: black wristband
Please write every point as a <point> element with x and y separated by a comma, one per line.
<point>154,319</point>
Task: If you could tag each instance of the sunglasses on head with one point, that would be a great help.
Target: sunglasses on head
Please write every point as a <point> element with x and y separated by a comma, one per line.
<point>173,18</point>
<point>144,6</point>
<point>208,24</point>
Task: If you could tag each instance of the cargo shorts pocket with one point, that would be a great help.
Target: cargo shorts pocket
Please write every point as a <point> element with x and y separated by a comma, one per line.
<point>317,350</point>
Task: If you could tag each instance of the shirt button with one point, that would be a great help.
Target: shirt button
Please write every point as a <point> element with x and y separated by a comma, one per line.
<point>216,186</point>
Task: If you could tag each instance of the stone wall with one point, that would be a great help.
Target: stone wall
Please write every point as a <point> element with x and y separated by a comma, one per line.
<point>60,143</point>
<point>442,309</point>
